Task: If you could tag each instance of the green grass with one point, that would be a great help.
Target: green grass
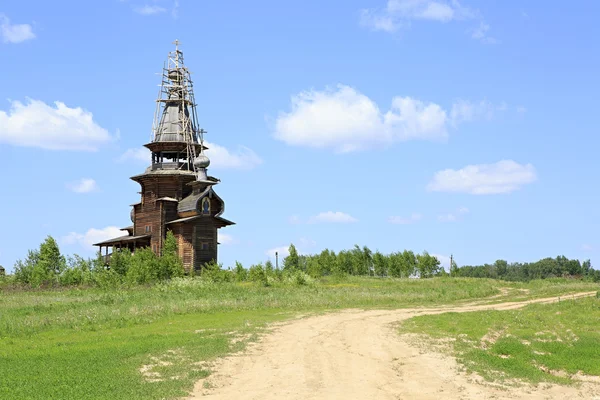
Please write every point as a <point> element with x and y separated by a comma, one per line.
<point>539,343</point>
<point>91,343</point>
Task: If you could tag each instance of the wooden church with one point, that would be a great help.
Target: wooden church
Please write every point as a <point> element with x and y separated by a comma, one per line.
<point>176,193</point>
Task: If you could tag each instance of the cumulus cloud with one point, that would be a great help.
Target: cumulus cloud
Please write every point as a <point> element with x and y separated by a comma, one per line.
<point>502,177</point>
<point>331,217</point>
<point>93,235</point>
<point>282,251</point>
<point>14,33</point>
<point>481,33</point>
<point>149,10</point>
<point>140,154</point>
<point>222,158</point>
<point>467,111</point>
<point>414,217</point>
<point>84,185</point>
<point>225,239</point>
<point>36,124</point>
<point>397,14</point>
<point>346,120</point>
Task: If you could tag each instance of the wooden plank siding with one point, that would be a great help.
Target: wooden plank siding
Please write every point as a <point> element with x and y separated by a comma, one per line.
<point>155,214</point>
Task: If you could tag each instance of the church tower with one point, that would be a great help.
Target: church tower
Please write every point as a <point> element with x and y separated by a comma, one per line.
<point>176,192</point>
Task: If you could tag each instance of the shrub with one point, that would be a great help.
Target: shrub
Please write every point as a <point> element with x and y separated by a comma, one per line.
<point>240,272</point>
<point>213,272</point>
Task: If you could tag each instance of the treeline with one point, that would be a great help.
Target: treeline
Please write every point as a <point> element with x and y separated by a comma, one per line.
<point>46,266</point>
<point>545,268</point>
<point>363,261</point>
<point>303,269</point>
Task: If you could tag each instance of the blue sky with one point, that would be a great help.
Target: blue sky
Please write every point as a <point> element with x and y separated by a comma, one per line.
<point>465,128</point>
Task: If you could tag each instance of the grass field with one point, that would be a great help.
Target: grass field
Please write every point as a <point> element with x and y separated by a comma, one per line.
<point>539,343</point>
<point>151,342</point>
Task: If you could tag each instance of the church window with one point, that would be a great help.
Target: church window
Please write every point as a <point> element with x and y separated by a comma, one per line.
<point>204,246</point>
<point>148,228</point>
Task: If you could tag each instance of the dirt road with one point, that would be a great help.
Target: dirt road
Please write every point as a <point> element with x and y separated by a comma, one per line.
<point>356,354</point>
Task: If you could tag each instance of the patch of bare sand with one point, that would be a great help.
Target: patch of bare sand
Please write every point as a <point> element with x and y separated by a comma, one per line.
<point>356,354</point>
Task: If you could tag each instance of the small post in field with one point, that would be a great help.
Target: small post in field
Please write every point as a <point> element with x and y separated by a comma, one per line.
<point>276,260</point>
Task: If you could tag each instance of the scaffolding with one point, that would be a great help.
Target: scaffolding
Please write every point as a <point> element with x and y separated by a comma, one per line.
<point>176,96</point>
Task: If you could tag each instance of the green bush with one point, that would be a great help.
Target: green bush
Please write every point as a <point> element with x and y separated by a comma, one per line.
<point>214,273</point>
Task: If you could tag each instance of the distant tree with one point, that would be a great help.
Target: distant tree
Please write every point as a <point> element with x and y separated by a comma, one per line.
<point>368,259</point>
<point>49,265</point>
<point>380,262</point>
<point>24,269</point>
<point>240,272</point>
<point>453,268</point>
<point>427,265</point>
<point>291,262</point>
<point>269,270</point>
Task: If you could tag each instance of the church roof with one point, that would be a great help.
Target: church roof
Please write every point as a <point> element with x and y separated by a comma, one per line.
<point>189,203</point>
<point>122,239</point>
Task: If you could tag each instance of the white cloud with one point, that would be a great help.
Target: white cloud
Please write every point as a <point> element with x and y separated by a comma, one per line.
<point>414,217</point>
<point>294,219</point>
<point>225,239</point>
<point>424,9</point>
<point>141,154</point>
<point>84,185</point>
<point>14,33</point>
<point>521,110</point>
<point>587,247</point>
<point>454,216</point>
<point>347,120</point>
<point>283,251</point>
<point>333,217</point>
<point>399,14</point>
<point>481,33</point>
<point>149,10</point>
<point>380,22</point>
<point>175,9</point>
<point>502,177</point>
<point>222,158</point>
<point>92,236</point>
<point>447,217</point>
<point>37,124</point>
<point>466,111</point>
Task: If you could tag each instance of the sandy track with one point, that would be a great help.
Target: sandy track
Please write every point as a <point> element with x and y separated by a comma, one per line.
<point>356,354</point>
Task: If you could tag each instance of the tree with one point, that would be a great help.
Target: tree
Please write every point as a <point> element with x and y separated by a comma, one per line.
<point>170,264</point>
<point>240,272</point>
<point>50,263</point>
<point>291,262</point>
<point>380,264</point>
<point>453,268</point>
<point>427,265</point>
<point>367,259</point>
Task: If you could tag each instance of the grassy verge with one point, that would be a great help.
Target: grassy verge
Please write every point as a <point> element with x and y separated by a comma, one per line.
<point>151,342</point>
<point>539,343</point>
